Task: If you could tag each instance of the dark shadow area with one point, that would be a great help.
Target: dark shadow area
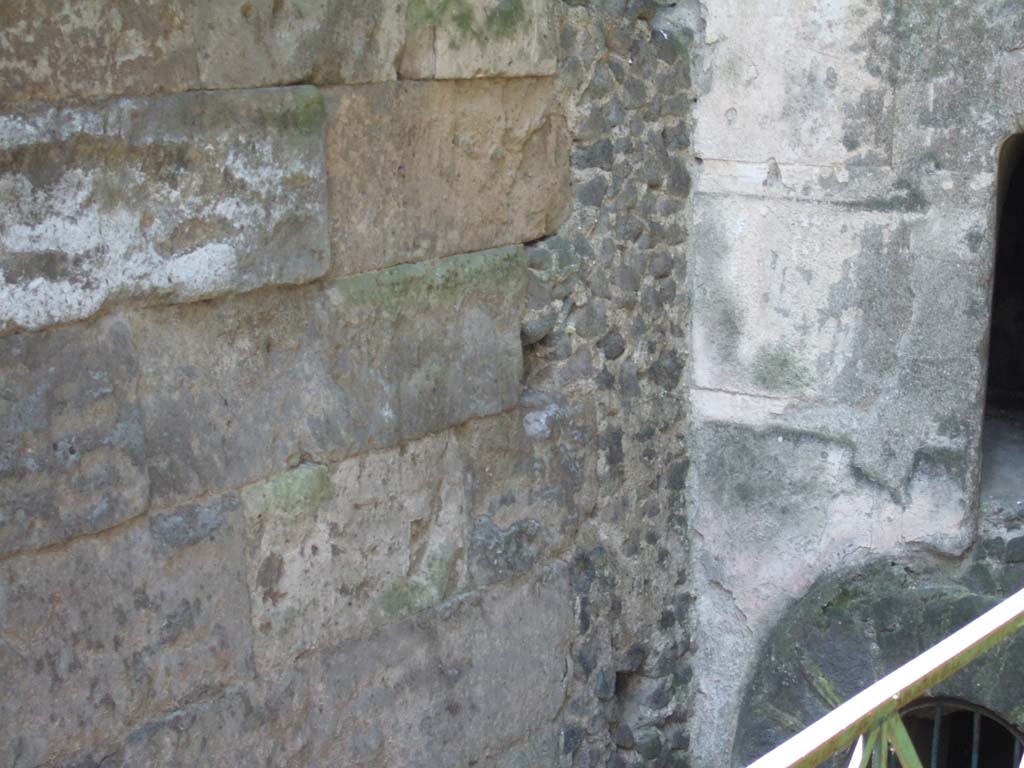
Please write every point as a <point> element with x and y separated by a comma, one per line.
<point>1002,447</point>
<point>960,735</point>
<point>1004,395</point>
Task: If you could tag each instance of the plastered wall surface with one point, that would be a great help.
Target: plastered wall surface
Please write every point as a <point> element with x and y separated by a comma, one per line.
<point>843,225</point>
<point>342,355</point>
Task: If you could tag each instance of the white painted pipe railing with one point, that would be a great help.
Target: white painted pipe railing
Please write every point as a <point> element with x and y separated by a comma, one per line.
<point>871,718</point>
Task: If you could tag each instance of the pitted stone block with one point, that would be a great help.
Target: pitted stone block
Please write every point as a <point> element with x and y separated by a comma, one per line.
<point>72,449</point>
<point>54,49</point>
<point>271,42</point>
<point>160,199</point>
<point>115,630</point>
<point>416,693</point>
<point>334,554</point>
<point>235,390</point>
<point>421,347</point>
<point>479,38</point>
<point>418,170</point>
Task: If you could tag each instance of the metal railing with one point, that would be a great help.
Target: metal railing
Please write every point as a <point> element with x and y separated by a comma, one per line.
<point>871,719</point>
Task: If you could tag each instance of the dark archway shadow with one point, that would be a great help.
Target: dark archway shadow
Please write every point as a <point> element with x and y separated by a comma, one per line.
<point>853,628</point>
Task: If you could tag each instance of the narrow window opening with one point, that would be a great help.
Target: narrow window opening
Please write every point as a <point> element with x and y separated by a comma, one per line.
<point>1002,446</point>
<point>1004,395</point>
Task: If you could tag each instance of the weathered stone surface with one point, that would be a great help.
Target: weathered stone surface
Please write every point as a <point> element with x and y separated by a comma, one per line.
<point>458,687</point>
<point>57,49</point>
<point>531,479</point>
<point>479,38</point>
<point>333,554</point>
<point>775,509</point>
<point>420,347</point>
<point>854,627</point>
<point>234,390</point>
<point>865,325</point>
<point>806,84</point>
<point>114,630</point>
<point>336,552</point>
<point>843,233</point>
<point>420,169</point>
<point>479,681</point>
<point>231,729</point>
<point>268,42</point>
<point>72,449</point>
<point>161,199</point>
<point>53,49</point>
<point>957,124</point>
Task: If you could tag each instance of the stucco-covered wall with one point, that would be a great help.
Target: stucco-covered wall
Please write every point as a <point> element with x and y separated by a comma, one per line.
<point>843,244</point>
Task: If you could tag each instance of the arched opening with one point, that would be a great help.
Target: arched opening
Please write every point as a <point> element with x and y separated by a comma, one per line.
<point>1004,395</point>
<point>953,733</point>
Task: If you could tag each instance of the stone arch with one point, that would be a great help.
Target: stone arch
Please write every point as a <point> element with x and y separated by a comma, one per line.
<point>852,628</point>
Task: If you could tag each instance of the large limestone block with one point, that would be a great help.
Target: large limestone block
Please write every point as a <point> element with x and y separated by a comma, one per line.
<point>226,731</point>
<point>266,42</point>
<point>479,38</point>
<point>333,554</point>
<point>159,199</point>
<point>479,681</point>
<point>424,169</point>
<point>331,42</point>
<point>420,347</point>
<point>336,552</point>
<point>72,449</point>
<point>53,49</point>
<point>231,389</point>
<point>235,390</point>
<point>459,686</point>
<point>118,629</point>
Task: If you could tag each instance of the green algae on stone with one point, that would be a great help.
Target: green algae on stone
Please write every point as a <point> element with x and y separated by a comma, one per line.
<point>502,21</point>
<point>777,368</point>
<point>443,282</point>
<point>294,493</point>
<point>415,593</point>
<point>306,113</point>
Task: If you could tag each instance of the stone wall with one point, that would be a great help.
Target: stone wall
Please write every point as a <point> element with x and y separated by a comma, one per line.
<point>607,331</point>
<point>305,458</point>
<point>843,239</point>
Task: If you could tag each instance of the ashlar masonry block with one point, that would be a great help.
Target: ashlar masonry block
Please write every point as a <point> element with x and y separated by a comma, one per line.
<point>479,38</point>
<point>235,390</point>
<point>269,42</point>
<point>498,659</point>
<point>58,49</point>
<point>55,49</point>
<point>162,200</point>
<point>120,628</point>
<point>335,553</point>
<point>72,448</point>
<point>418,170</point>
